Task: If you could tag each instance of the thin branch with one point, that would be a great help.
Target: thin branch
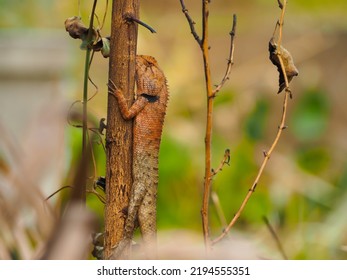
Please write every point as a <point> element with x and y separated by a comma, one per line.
<point>225,160</point>
<point>58,190</point>
<point>209,124</point>
<point>275,236</point>
<point>219,210</point>
<point>80,193</point>
<point>230,58</point>
<point>101,141</point>
<point>104,16</point>
<point>279,41</point>
<point>210,93</point>
<point>91,80</point>
<point>281,21</point>
<point>92,153</point>
<point>191,23</point>
<point>131,18</point>
<point>260,172</point>
<point>267,154</point>
<point>99,196</point>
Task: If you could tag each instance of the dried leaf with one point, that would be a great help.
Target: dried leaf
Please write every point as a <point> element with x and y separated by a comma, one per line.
<point>76,28</point>
<point>288,63</point>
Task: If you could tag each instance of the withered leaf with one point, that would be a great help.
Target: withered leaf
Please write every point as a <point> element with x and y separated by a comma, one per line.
<point>76,28</point>
<point>288,63</point>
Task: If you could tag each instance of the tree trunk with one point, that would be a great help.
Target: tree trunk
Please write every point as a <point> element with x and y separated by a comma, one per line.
<point>119,132</point>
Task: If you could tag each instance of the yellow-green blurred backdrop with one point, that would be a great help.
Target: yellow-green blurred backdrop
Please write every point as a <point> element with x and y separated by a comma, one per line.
<point>303,191</point>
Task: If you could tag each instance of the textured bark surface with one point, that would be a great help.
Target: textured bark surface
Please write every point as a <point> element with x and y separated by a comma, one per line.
<point>119,132</point>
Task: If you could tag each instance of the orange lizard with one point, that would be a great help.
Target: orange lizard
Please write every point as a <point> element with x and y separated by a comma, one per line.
<point>148,112</point>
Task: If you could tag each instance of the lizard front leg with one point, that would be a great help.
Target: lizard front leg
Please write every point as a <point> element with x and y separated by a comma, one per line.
<point>134,110</point>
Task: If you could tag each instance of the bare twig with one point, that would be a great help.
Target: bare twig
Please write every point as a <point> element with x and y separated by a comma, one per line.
<point>101,141</point>
<point>99,196</point>
<point>275,236</point>
<point>267,154</point>
<point>92,153</point>
<point>281,21</point>
<point>209,123</point>
<point>230,58</point>
<point>54,193</point>
<point>131,18</point>
<point>260,172</point>
<point>191,23</point>
<point>203,43</point>
<point>104,16</point>
<point>91,80</point>
<point>225,160</point>
<point>210,93</point>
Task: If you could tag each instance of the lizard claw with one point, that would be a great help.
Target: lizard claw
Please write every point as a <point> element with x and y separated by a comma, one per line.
<point>111,86</point>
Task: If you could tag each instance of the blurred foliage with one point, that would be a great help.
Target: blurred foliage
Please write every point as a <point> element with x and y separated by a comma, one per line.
<point>313,159</point>
<point>256,122</point>
<point>303,191</point>
<point>311,116</point>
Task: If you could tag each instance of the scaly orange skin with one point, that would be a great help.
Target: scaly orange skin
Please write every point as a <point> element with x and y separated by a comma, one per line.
<point>148,112</point>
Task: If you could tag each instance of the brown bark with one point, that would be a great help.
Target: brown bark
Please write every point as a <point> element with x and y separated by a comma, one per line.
<point>119,132</point>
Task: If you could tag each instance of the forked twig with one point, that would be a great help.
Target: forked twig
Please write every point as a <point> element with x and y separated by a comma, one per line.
<point>204,46</point>
<point>225,160</point>
<point>267,154</point>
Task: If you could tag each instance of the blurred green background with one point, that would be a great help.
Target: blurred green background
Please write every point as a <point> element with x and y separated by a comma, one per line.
<point>303,191</point>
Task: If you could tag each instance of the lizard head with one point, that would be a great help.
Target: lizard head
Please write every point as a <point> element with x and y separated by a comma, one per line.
<point>150,78</point>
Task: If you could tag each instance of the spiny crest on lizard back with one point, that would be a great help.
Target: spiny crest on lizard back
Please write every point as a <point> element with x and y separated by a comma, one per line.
<point>149,80</point>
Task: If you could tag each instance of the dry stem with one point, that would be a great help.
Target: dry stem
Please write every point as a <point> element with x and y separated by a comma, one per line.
<point>191,23</point>
<point>230,59</point>
<point>208,134</point>
<point>210,94</point>
<point>225,160</point>
<point>275,236</point>
<point>281,127</point>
